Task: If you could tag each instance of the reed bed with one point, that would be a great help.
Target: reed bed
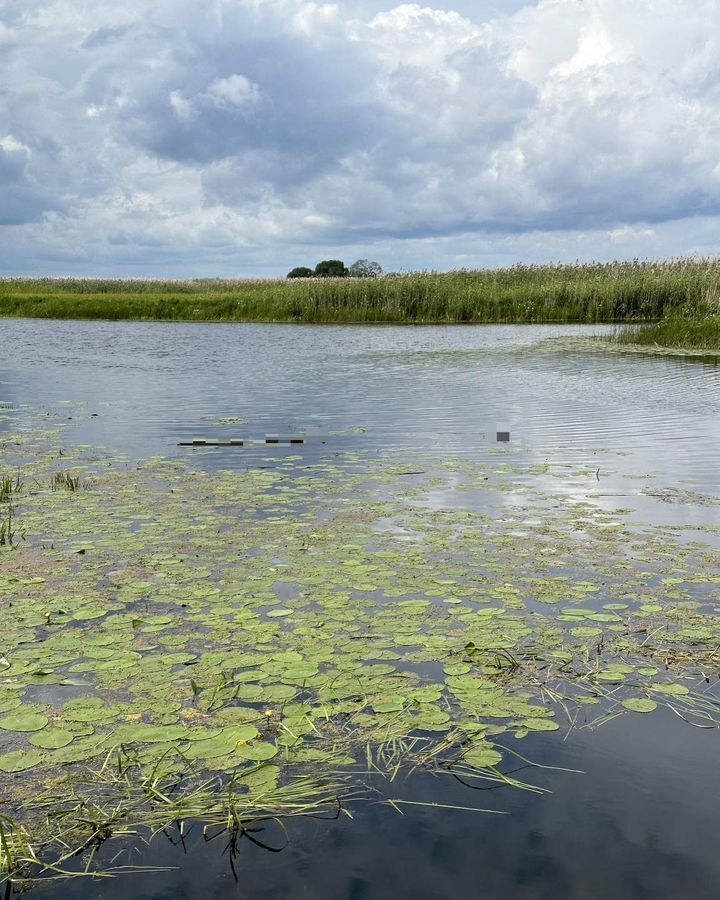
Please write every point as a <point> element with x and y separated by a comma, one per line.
<point>701,333</point>
<point>603,292</point>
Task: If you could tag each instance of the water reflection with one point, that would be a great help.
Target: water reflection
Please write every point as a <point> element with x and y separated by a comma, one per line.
<point>389,388</point>
<point>639,822</point>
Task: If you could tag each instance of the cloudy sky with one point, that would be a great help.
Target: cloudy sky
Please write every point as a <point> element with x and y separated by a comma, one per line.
<point>244,137</point>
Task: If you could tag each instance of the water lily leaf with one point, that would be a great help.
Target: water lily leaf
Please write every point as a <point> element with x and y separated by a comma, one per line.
<point>456,668</point>
<point>260,779</point>
<point>388,706</point>
<point>52,738</point>
<point>23,721</point>
<point>19,760</point>
<point>539,724</point>
<point>482,757</point>
<point>672,689</point>
<point>228,740</point>
<point>260,751</point>
<point>639,704</point>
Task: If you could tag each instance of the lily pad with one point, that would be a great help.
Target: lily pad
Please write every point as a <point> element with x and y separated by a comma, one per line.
<point>24,721</point>
<point>640,704</point>
<point>52,739</point>
<point>259,752</point>
<point>482,757</point>
<point>19,760</point>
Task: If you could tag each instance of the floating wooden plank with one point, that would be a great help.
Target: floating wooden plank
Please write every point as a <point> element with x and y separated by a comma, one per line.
<point>241,442</point>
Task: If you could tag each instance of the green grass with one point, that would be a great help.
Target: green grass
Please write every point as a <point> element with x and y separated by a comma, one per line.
<point>608,292</point>
<point>685,332</point>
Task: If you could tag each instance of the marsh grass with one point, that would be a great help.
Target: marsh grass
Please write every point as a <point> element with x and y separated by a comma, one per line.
<point>65,481</point>
<point>9,487</point>
<point>75,817</point>
<point>8,534</point>
<point>602,292</point>
<point>686,332</point>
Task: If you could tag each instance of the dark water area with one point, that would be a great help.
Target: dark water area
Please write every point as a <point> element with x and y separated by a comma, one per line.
<point>640,821</point>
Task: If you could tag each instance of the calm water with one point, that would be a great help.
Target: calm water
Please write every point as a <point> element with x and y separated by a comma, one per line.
<point>641,821</point>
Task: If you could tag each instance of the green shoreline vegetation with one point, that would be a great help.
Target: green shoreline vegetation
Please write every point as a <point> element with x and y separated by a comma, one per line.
<point>687,332</point>
<point>183,645</point>
<point>685,290</point>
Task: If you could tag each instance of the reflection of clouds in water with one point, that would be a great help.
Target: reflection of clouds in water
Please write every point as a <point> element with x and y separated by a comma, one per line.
<point>439,389</point>
<point>639,822</point>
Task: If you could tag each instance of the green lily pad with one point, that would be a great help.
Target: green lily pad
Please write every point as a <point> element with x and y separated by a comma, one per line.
<point>52,739</point>
<point>671,689</point>
<point>24,721</point>
<point>389,706</point>
<point>19,760</point>
<point>640,704</point>
<point>482,757</point>
<point>258,752</point>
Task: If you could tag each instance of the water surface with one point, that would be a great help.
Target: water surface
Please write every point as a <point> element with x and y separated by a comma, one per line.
<point>640,822</point>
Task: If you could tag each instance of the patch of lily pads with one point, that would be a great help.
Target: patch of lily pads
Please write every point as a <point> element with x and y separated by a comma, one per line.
<point>295,620</point>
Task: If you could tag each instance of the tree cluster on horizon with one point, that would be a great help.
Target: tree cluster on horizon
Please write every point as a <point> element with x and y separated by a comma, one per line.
<point>336,268</point>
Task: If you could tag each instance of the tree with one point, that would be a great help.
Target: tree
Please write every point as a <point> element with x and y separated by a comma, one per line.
<point>331,268</point>
<point>301,272</point>
<point>365,268</point>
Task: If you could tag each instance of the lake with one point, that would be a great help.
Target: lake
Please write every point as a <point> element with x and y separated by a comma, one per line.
<point>626,809</point>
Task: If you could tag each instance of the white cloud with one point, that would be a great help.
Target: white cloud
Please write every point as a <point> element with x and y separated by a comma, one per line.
<point>184,131</point>
<point>182,107</point>
<point>311,18</point>
<point>235,90</point>
<point>627,233</point>
<point>11,144</point>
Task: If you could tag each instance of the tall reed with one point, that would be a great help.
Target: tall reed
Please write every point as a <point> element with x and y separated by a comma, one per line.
<point>602,292</point>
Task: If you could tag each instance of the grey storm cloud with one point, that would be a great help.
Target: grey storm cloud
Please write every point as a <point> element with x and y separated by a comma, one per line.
<point>236,135</point>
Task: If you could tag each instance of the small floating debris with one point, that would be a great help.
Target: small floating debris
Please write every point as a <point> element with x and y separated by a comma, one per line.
<point>211,442</point>
<point>242,442</point>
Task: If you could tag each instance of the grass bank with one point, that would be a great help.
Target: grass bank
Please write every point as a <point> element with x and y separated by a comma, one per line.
<point>608,292</point>
<point>685,332</point>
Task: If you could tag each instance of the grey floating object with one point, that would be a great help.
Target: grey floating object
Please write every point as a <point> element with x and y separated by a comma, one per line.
<point>237,442</point>
<point>503,437</point>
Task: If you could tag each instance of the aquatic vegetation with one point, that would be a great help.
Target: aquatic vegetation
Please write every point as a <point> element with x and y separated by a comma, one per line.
<point>64,480</point>
<point>8,533</point>
<point>225,646</point>
<point>603,292</point>
<point>9,487</point>
<point>690,331</point>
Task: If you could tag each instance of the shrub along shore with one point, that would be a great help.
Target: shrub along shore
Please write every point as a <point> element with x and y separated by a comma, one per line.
<point>684,291</point>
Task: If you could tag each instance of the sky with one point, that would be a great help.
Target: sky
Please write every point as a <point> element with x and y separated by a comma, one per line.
<point>235,138</point>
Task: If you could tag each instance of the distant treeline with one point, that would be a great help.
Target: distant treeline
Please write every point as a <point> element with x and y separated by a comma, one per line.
<point>336,268</point>
<point>687,290</point>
